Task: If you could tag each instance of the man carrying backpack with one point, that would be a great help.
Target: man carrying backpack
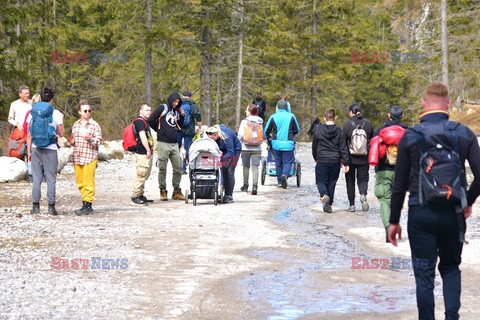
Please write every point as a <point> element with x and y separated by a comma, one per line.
<point>261,104</point>
<point>435,149</point>
<point>192,117</point>
<point>45,126</point>
<point>143,154</point>
<point>166,120</point>
<point>386,165</point>
<point>358,132</point>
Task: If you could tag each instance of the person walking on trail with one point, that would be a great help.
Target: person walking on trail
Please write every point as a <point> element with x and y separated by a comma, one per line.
<point>45,127</point>
<point>230,147</point>
<point>192,117</point>
<point>166,120</point>
<point>87,136</point>
<point>436,213</point>
<point>329,151</point>
<point>393,129</point>
<point>250,133</point>
<point>143,154</point>
<point>282,127</point>
<point>261,104</point>
<point>313,127</point>
<point>358,132</point>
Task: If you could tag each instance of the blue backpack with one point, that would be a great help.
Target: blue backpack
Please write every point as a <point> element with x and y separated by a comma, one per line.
<point>187,118</point>
<point>441,177</point>
<point>42,127</point>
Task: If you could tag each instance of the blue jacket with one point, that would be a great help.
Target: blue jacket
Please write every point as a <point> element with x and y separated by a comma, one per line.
<point>231,146</point>
<point>282,126</point>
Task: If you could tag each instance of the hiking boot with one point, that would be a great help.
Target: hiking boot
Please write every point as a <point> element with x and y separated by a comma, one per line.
<point>35,208</point>
<point>326,203</point>
<point>143,198</point>
<point>244,188</point>
<point>51,209</point>
<point>163,195</point>
<point>138,200</point>
<point>387,228</point>
<point>351,208</point>
<point>254,190</point>
<point>81,211</point>
<point>363,200</point>
<point>284,182</point>
<point>88,207</point>
<point>177,194</point>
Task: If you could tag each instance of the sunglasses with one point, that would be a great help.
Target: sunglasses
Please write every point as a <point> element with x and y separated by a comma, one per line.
<point>85,111</point>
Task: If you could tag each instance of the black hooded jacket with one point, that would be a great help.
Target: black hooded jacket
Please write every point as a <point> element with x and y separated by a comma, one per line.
<point>329,145</point>
<point>170,120</point>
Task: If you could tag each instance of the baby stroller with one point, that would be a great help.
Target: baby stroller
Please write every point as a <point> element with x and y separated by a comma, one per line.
<point>204,173</point>
<point>268,167</point>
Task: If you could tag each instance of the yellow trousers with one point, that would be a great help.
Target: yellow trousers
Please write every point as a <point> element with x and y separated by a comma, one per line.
<point>85,175</point>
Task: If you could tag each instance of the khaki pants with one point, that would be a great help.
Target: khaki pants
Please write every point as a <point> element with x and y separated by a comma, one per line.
<point>170,151</point>
<point>143,170</point>
<point>85,175</point>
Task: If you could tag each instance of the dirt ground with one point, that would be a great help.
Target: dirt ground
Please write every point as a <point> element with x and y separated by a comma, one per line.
<point>271,256</point>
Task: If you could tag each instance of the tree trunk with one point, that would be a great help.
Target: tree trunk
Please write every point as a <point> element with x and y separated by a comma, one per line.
<point>205,80</point>
<point>444,44</point>
<point>148,56</point>
<point>240,65</point>
<point>314,88</point>
<point>217,100</point>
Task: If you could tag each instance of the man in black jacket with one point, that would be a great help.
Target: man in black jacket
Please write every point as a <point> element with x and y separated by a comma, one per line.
<point>261,104</point>
<point>166,120</point>
<point>329,151</point>
<point>434,230</point>
<point>358,163</point>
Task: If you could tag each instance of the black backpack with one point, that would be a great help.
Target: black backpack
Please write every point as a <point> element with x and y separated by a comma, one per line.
<point>441,176</point>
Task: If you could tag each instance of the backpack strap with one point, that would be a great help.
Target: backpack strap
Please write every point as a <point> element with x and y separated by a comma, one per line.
<point>164,112</point>
<point>135,130</point>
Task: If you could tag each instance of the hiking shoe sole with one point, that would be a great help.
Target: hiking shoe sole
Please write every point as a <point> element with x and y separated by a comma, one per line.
<point>363,200</point>
<point>326,203</point>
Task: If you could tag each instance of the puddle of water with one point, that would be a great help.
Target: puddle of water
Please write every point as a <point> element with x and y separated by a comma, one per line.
<point>283,216</point>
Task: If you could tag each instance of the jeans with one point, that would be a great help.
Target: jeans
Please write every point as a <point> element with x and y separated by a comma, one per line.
<point>283,163</point>
<point>187,141</point>
<point>228,174</point>
<point>326,176</point>
<point>433,233</point>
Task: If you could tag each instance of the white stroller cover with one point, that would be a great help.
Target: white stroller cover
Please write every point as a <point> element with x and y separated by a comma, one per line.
<point>204,154</point>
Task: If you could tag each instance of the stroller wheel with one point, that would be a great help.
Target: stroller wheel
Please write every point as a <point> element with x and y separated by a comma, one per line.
<point>215,200</point>
<point>264,171</point>
<point>194,198</point>
<point>186,196</point>
<point>298,173</point>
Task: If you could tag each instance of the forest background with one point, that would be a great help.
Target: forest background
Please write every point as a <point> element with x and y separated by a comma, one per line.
<point>225,51</point>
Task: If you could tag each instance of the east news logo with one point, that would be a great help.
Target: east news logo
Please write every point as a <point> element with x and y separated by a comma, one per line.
<point>93,263</point>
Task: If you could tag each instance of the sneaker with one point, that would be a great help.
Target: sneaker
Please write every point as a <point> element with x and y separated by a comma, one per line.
<point>326,203</point>
<point>228,199</point>
<point>244,188</point>
<point>351,208</point>
<point>143,198</point>
<point>328,208</point>
<point>177,194</point>
<point>284,182</point>
<point>138,200</point>
<point>363,200</point>
<point>163,195</point>
<point>254,190</point>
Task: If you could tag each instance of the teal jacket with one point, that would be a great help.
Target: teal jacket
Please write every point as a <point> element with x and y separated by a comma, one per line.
<point>282,128</point>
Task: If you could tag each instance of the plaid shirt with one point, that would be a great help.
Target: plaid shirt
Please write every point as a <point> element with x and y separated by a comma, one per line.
<point>85,151</point>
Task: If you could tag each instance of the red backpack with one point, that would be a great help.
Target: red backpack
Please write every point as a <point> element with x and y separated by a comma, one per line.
<point>130,136</point>
<point>17,146</point>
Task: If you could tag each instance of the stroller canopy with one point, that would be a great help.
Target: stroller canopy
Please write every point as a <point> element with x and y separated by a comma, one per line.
<point>201,148</point>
